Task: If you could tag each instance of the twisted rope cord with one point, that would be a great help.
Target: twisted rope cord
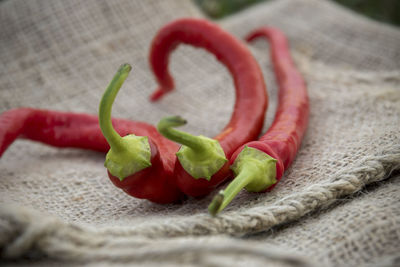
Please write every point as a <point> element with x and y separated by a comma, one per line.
<point>23,230</point>
<point>28,230</point>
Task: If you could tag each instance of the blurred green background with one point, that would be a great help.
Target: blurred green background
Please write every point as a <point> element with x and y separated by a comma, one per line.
<point>387,11</point>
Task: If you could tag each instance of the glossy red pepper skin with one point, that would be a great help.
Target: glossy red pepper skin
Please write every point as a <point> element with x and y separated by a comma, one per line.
<point>251,96</point>
<point>155,183</point>
<point>54,128</point>
<point>283,138</point>
<point>78,130</point>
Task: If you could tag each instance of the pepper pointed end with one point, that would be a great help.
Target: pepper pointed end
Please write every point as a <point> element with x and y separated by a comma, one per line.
<point>156,95</point>
<point>159,93</point>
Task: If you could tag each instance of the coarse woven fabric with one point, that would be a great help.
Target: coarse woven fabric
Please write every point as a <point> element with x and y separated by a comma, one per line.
<point>337,205</point>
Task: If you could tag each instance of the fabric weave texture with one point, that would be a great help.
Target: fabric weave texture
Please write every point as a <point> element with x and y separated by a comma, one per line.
<point>337,205</point>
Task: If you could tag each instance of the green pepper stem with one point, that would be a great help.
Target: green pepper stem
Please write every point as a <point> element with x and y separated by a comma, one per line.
<point>255,171</point>
<point>113,138</point>
<point>200,156</point>
<point>224,197</point>
<point>165,127</point>
<point>129,154</point>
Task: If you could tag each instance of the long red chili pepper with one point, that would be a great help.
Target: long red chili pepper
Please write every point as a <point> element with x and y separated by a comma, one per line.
<point>259,165</point>
<point>248,116</point>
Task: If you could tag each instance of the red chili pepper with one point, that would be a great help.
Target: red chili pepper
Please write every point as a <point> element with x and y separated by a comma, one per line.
<point>249,111</point>
<point>259,165</point>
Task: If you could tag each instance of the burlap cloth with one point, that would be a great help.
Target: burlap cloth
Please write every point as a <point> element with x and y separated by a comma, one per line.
<point>337,205</point>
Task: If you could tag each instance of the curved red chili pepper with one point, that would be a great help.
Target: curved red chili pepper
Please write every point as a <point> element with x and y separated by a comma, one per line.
<point>277,148</point>
<point>251,97</point>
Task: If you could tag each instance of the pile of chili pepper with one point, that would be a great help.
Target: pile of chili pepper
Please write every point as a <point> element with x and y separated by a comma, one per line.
<point>146,162</point>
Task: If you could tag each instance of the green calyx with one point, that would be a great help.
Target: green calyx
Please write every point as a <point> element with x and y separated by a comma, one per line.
<point>200,156</point>
<point>129,154</point>
<point>134,157</point>
<point>202,163</point>
<point>254,170</point>
<point>258,164</point>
